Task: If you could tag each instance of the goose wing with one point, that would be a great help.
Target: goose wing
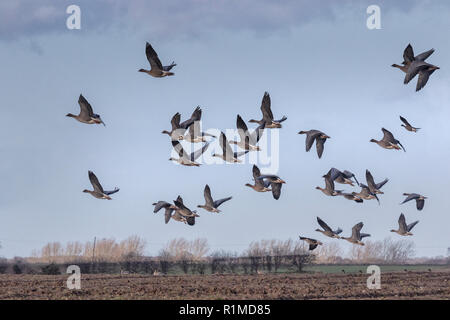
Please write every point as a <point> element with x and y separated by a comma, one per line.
<point>410,197</point>
<point>85,107</point>
<point>356,231</point>
<point>405,121</point>
<point>424,55</point>
<point>414,69</point>
<point>323,225</point>
<point>207,194</point>
<point>256,134</point>
<point>152,57</point>
<point>319,146</point>
<point>310,137</point>
<point>276,190</point>
<point>111,192</point>
<point>217,203</point>
<point>227,151</point>
<point>159,205</point>
<point>334,173</point>
<point>411,225</point>
<point>420,204</point>
<point>195,155</point>
<point>95,183</point>
<point>179,149</point>
<point>265,108</point>
<point>424,75</point>
<point>329,184</point>
<point>370,182</point>
<point>242,129</point>
<point>175,122</point>
<point>195,116</point>
<point>382,183</point>
<point>402,227</point>
<point>167,214</point>
<point>388,136</point>
<point>256,172</point>
<point>408,54</point>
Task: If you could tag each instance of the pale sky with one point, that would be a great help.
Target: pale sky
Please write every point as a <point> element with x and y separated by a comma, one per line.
<point>322,66</point>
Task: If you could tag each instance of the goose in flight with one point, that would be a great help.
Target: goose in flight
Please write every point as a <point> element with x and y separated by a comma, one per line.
<point>403,228</point>
<point>228,154</point>
<point>313,243</point>
<point>211,205</point>
<point>407,126</point>
<point>352,196</point>
<point>319,137</point>
<point>374,187</point>
<point>195,134</point>
<point>98,191</point>
<point>169,208</point>
<point>388,141</point>
<point>343,177</point>
<point>86,114</point>
<point>327,230</point>
<point>329,187</point>
<point>178,129</point>
<point>365,193</point>
<point>425,70</point>
<point>248,141</point>
<point>408,57</point>
<point>420,200</point>
<point>357,236</point>
<point>186,159</point>
<point>157,70</point>
<point>267,119</point>
<point>183,210</point>
<point>275,183</point>
<point>260,185</point>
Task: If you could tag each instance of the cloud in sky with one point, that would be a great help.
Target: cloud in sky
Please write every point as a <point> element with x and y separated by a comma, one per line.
<point>22,18</point>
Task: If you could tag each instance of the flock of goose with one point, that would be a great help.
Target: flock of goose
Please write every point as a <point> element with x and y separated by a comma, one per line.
<point>190,131</point>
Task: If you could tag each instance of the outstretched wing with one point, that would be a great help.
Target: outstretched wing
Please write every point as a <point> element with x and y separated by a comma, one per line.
<point>424,75</point>
<point>195,155</point>
<point>159,205</point>
<point>388,136</point>
<point>411,225</point>
<point>152,57</point>
<point>380,184</point>
<point>319,146</point>
<point>217,203</point>
<point>95,183</point>
<point>402,224</point>
<point>111,192</point>
<point>310,137</point>
<point>370,181</point>
<point>207,194</point>
<point>408,54</point>
<point>323,225</point>
<point>242,128</point>
<point>420,204</point>
<point>179,149</point>
<point>424,55</point>
<point>411,197</point>
<point>85,107</point>
<point>227,151</point>
<point>265,108</point>
<point>356,230</point>
<point>276,190</point>
<point>405,121</point>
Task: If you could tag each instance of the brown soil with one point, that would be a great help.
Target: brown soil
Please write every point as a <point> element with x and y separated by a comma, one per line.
<point>395,285</point>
